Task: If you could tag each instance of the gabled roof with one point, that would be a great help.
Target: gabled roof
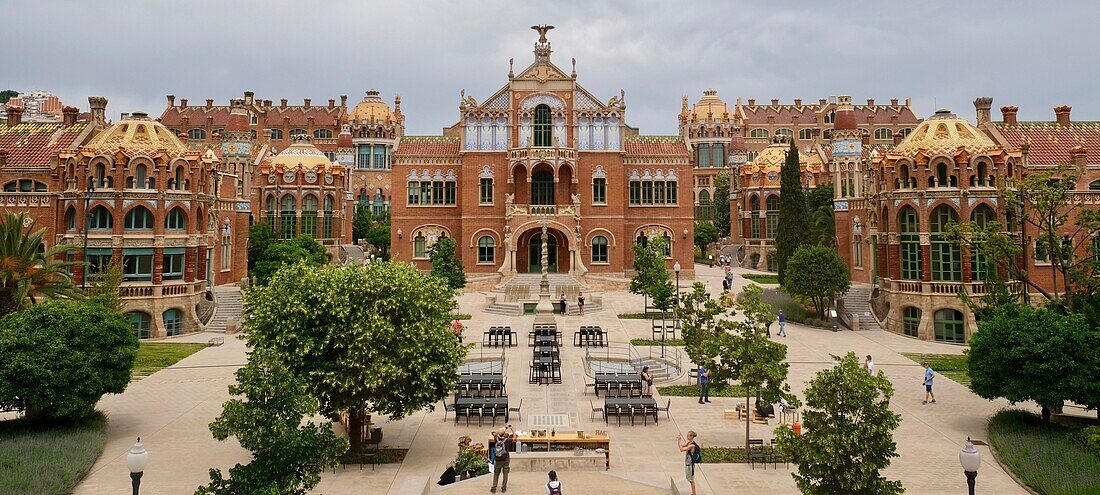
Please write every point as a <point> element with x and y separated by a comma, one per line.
<point>1049,142</point>
<point>428,145</point>
<point>758,114</point>
<point>35,144</point>
<point>655,145</point>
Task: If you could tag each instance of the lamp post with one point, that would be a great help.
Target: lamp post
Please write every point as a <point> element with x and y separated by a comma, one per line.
<point>664,331</point>
<point>136,461</point>
<point>87,223</point>
<point>970,459</point>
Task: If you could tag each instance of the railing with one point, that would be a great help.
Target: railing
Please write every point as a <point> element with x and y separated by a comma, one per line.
<point>567,210</point>
<point>542,210</point>
<point>908,287</point>
<point>150,290</point>
<point>139,291</point>
<point>567,154</point>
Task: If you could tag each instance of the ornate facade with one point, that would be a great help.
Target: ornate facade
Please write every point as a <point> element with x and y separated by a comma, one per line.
<point>541,156</point>
<point>707,128</point>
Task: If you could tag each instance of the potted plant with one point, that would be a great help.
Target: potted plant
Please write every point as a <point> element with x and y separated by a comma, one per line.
<point>469,463</point>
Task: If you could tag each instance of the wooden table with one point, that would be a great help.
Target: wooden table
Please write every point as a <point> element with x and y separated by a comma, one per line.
<point>647,405</point>
<point>562,442</point>
<point>605,380</point>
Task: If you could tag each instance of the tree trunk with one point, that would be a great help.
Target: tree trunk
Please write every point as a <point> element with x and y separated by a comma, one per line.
<point>748,423</point>
<point>355,429</point>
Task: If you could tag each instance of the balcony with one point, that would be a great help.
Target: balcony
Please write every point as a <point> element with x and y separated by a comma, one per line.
<point>543,211</point>
<point>542,154</point>
<point>145,290</point>
<point>939,288</point>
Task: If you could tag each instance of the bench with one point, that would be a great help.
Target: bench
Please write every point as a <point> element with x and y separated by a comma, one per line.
<point>215,341</point>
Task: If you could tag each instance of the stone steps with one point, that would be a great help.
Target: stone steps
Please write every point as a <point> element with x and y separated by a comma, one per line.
<point>230,308</point>
<point>858,302</point>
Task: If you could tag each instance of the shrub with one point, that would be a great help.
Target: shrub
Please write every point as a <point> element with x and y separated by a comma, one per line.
<point>1089,438</point>
<point>48,460</point>
<point>1046,460</point>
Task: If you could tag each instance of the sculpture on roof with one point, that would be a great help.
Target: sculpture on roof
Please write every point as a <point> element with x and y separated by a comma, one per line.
<point>542,29</point>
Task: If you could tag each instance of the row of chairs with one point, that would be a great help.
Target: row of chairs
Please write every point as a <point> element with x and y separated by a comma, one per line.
<point>499,337</point>
<point>590,336</point>
<point>543,330</point>
<point>545,374</point>
<point>481,389</point>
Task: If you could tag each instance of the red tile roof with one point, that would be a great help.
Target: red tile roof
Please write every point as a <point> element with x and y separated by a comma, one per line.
<point>299,116</point>
<point>758,114</point>
<point>427,145</point>
<point>1050,142</point>
<point>655,145</point>
<point>35,144</point>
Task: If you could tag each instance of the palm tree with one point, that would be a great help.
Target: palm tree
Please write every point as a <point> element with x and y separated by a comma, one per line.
<point>28,274</point>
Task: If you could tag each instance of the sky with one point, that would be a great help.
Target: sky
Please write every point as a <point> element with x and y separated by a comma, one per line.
<point>942,54</point>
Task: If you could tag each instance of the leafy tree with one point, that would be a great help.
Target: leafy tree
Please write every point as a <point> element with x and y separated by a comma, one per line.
<point>7,94</point>
<point>59,357</point>
<point>1000,251</point>
<point>360,222</point>
<point>698,314</point>
<point>290,251</point>
<point>818,274</point>
<point>722,203</point>
<point>705,234</point>
<point>378,235</point>
<point>446,265</point>
<point>260,236</point>
<point>374,338</point>
<point>104,289</point>
<point>1023,353</point>
<point>794,223</point>
<point>287,456</point>
<point>819,205</point>
<point>651,276</point>
<point>27,274</point>
<point>848,433</point>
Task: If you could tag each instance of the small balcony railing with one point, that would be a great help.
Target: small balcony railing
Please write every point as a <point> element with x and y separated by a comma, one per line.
<point>549,154</point>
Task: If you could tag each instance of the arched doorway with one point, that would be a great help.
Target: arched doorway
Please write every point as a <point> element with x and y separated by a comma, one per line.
<point>542,185</point>
<point>528,252</point>
<point>534,254</point>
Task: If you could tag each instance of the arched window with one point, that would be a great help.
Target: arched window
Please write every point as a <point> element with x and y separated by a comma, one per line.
<point>950,326</point>
<point>140,173</point>
<point>70,218</point>
<point>759,133</point>
<point>173,322</point>
<point>486,248</point>
<point>326,226</point>
<point>196,133</point>
<point>100,218</point>
<point>542,188</point>
<point>379,204</point>
<point>543,128</point>
<point>983,174</point>
<point>784,132</point>
<point>176,182</point>
<point>599,249</point>
<point>946,258</point>
<point>830,117</point>
<point>420,246</point>
<point>288,222</point>
<point>942,179</point>
<point>806,134</point>
<point>25,185</point>
<point>295,133</point>
<point>909,236</point>
<point>979,268</point>
<point>904,176</point>
<point>883,133</point>
<point>101,175</point>
<point>176,219</point>
<point>276,134</point>
<point>309,215</point>
<point>704,206</point>
<point>1094,185</point>
<point>138,218</point>
<point>322,133</point>
<point>270,210</point>
<point>754,218</point>
<point>772,216</point>
<point>142,324</point>
<point>911,321</point>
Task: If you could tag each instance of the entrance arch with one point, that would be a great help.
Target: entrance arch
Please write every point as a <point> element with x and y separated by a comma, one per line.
<point>542,185</point>
<point>529,251</point>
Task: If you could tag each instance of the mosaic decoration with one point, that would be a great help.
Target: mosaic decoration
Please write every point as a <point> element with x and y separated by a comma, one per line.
<point>543,99</point>
<point>840,205</point>
<point>847,147</point>
<point>586,102</point>
<point>486,172</point>
<point>500,102</point>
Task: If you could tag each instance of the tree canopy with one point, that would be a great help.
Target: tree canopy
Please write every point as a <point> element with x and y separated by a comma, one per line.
<point>280,254</point>
<point>374,338</point>
<point>794,223</point>
<point>260,236</point>
<point>819,274</point>
<point>847,433</point>
<point>7,94</point>
<point>819,205</point>
<point>59,357</point>
<point>373,228</point>
<point>445,263</point>
<point>722,203</point>
<point>651,275</point>
<point>29,273</point>
<point>705,234</point>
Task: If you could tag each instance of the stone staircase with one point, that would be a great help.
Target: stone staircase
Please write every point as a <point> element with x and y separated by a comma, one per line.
<point>228,298</point>
<point>524,287</point>
<point>857,302</point>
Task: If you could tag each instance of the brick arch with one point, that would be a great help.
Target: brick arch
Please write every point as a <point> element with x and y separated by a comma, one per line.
<point>611,241</point>
<point>483,232</point>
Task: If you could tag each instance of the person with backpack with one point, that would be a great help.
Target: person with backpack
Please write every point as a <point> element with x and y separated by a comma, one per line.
<point>553,487</point>
<point>704,378</point>
<point>505,441</point>
<point>693,454</point>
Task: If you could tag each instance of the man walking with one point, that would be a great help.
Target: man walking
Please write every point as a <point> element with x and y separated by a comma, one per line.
<point>504,442</point>
<point>782,323</point>
<point>704,378</point>
<point>692,455</point>
<point>928,376</point>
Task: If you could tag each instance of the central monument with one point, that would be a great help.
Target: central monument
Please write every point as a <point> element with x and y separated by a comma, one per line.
<point>544,310</point>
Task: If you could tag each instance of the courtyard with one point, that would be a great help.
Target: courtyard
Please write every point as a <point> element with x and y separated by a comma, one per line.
<point>170,411</point>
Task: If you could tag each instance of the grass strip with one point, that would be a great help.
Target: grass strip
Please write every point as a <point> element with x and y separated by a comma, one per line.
<point>1046,460</point>
<point>383,456</point>
<point>657,342</point>
<point>154,356</point>
<point>50,459</point>
<point>645,316</point>
<point>716,390</point>
<point>953,366</point>
<point>762,278</point>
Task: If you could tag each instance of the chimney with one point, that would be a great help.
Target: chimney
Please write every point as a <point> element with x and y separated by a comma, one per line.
<point>343,101</point>
<point>775,102</point>
<point>982,105</point>
<point>908,102</point>
<point>1008,114</point>
<point>68,115</point>
<point>307,100</point>
<point>870,102</point>
<point>798,102</point>
<point>1062,114</point>
<point>893,102</point>
<point>183,103</point>
<point>752,102</point>
<point>98,105</point>
<point>822,101</point>
<point>267,103</point>
<point>331,103</point>
<point>15,116</point>
<point>248,98</point>
<point>171,101</point>
<point>282,103</point>
<point>209,103</point>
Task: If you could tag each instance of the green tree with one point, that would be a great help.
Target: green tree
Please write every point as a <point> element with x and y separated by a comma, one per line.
<point>361,222</point>
<point>29,273</point>
<point>260,237</point>
<point>722,203</point>
<point>104,289</point>
<point>1000,250</point>
<point>705,234</point>
<point>819,205</point>
<point>374,338</point>
<point>819,274</point>
<point>290,251</point>
<point>1023,353</point>
<point>445,263</point>
<point>288,456</point>
<point>7,94</point>
<point>651,275</point>
<point>848,433</point>
<point>59,357</point>
<point>794,223</point>
<point>698,314</point>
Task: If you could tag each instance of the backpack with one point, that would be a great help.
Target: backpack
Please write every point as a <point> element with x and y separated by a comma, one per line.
<point>696,454</point>
<point>554,490</point>
<point>501,449</point>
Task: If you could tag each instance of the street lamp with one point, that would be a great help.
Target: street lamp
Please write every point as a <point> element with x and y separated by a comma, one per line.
<point>664,331</point>
<point>87,223</point>
<point>970,459</point>
<point>136,461</point>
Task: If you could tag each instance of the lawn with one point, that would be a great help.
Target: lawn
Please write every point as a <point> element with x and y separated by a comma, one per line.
<point>48,461</point>
<point>384,456</point>
<point>645,316</point>
<point>657,342</point>
<point>152,356</point>
<point>953,366</point>
<point>716,390</point>
<point>1046,460</point>
<point>762,278</point>
<point>724,455</point>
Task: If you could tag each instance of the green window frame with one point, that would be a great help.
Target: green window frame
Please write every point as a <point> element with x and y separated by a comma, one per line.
<point>911,321</point>
<point>139,218</point>
<point>772,214</point>
<point>543,128</point>
<point>759,133</point>
<point>142,324</point>
<point>288,223</point>
<point>486,196</point>
<point>172,267</point>
<point>946,255</point>
<point>137,265</point>
<point>909,237</point>
<point>702,155</point>
<point>979,265</point>
<point>97,260</point>
<point>754,218</point>
<point>950,326</point>
<point>599,191</point>
<point>326,226</point>
<point>599,249</point>
<point>486,250</point>
<point>420,247</point>
<point>173,322</point>
<point>176,219</point>
<point>717,155</point>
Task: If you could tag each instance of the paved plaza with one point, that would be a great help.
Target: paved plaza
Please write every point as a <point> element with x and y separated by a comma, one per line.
<point>171,409</point>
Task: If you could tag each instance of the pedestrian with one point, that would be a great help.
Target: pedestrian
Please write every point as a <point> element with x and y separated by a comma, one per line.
<point>647,381</point>
<point>693,453</point>
<point>725,285</point>
<point>869,364</point>
<point>928,376</point>
<point>782,323</point>
<point>561,301</point>
<point>505,441</point>
<point>457,327</point>
<point>580,302</point>
<point>553,487</point>
<point>704,378</point>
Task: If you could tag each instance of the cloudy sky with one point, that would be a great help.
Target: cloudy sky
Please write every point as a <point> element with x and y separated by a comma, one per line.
<point>941,54</point>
